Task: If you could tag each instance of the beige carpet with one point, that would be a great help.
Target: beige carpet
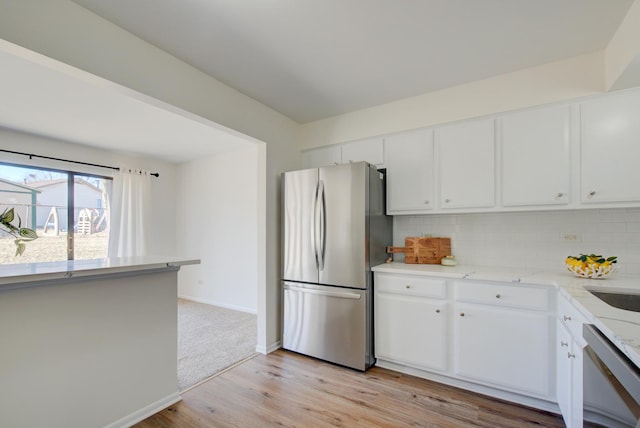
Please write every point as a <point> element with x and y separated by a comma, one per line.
<point>210,339</point>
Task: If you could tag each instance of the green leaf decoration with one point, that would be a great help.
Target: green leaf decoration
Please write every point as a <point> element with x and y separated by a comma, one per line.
<point>20,247</point>
<point>7,216</point>
<point>23,234</point>
<point>27,233</point>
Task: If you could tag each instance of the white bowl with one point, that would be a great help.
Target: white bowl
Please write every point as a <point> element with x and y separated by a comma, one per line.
<point>593,270</point>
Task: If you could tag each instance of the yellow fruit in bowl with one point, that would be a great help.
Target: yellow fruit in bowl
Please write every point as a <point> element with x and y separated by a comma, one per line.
<point>591,265</point>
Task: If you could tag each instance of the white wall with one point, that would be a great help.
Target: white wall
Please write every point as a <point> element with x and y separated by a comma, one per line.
<point>218,223</point>
<point>558,81</point>
<point>531,239</point>
<point>90,351</point>
<point>65,31</point>
<point>163,189</point>
<point>622,54</point>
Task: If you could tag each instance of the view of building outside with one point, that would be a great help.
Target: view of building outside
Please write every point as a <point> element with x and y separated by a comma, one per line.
<point>40,198</point>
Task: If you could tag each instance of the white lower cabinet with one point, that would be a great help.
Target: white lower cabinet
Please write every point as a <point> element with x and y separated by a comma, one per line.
<point>569,363</point>
<point>411,320</point>
<point>502,347</point>
<point>569,377</point>
<point>411,330</point>
<point>497,338</point>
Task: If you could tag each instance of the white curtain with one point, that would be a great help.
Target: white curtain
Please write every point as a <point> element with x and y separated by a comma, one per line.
<point>130,213</point>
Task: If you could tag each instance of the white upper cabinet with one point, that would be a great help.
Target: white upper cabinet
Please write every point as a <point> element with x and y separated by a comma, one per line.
<point>465,155</point>
<point>409,162</point>
<point>536,157</point>
<point>323,156</point>
<point>370,150</point>
<point>610,148</point>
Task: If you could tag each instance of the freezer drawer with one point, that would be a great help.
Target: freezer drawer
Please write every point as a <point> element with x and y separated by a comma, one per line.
<point>329,323</point>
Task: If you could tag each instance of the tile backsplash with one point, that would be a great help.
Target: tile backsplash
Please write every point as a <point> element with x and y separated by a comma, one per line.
<point>531,239</point>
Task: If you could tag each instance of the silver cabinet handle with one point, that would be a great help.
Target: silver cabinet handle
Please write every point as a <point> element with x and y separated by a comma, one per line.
<point>564,343</point>
<point>570,355</point>
<point>407,287</point>
<point>498,296</point>
<point>592,193</point>
<point>566,318</point>
<point>560,194</point>
<point>461,314</point>
<point>437,311</point>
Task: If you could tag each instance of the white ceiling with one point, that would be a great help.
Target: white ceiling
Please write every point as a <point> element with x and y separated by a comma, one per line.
<point>311,59</point>
<point>45,97</point>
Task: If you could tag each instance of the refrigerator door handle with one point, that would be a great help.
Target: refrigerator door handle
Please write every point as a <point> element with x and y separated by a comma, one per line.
<point>339,294</point>
<point>314,227</point>
<point>318,226</point>
<point>323,225</point>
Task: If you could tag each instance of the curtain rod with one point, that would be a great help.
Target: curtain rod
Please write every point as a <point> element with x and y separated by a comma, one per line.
<point>31,156</point>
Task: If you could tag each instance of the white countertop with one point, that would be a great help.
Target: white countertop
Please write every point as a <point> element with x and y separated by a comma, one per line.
<point>11,276</point>
<point>620,326</point>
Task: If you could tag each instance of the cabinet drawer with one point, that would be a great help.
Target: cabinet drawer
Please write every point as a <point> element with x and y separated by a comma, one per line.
<point>570,317</point>
<point>514,296</point>
<point>410,285</point>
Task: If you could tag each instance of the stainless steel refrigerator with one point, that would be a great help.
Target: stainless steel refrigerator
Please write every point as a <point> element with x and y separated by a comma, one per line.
<point>335,229</point>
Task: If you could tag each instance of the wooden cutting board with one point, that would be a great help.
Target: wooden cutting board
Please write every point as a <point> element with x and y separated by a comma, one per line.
<point>423,250</point>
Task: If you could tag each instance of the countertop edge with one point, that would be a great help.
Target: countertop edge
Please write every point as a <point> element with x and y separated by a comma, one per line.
<point>11,276</point>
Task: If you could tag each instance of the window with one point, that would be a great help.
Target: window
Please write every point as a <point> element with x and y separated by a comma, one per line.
<point>68,210</point>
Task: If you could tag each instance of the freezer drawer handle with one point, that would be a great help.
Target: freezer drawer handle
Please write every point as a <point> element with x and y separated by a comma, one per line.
<point>339,294</point>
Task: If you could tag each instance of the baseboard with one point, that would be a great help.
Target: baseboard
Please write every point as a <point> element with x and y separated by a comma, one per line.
<point>214,303</point>
<point>538,403</point>
<point>145,412</point>
<point>269,349</point>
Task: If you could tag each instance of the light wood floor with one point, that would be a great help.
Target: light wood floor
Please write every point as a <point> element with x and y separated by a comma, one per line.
<point>289,390</point>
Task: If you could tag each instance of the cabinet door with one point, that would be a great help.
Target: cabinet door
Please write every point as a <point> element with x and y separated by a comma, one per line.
<point>502,347</point>
<point>610,153</point>
<point>409,162</point>
<point>535,157</point>
<point>323,156</point>
<point>369,150</point>
<point>563,372</point>
<point>410,330</point>
<point>465,155</point>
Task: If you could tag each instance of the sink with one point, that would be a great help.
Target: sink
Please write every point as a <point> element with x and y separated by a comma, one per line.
<point>618,299</point>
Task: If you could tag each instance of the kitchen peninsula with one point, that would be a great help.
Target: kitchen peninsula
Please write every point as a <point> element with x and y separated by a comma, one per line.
<point>88,343</point>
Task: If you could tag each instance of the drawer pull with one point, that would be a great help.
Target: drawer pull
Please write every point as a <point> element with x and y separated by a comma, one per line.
<point>564,343</point>
<point>461,314</point>
<point>566,318</point>
<point>407,287</point>
<point>498,296</point>
<point>570,355</point>
<point>437,311</point>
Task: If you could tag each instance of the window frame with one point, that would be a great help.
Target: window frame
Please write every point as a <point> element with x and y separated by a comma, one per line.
<point>71,174</point>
